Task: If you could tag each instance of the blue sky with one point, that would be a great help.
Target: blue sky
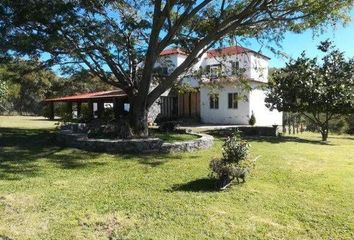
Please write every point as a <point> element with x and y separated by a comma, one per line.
<point>294,44</point>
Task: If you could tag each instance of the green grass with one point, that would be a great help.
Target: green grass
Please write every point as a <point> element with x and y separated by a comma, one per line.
<point>172,137</point>
<point>300,189</point>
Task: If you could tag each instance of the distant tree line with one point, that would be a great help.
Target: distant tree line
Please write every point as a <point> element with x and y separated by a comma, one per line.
<point>25,84</point>
<point>296,123</point>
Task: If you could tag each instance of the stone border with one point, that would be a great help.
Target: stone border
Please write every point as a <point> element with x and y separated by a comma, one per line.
<point>68,137</point>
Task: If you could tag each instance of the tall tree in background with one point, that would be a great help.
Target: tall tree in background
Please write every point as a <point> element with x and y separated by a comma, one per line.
<point>120,41</point>
<point>27,84</point>
<point>79,82</point>
<point>318,91</point>
<point>3,94</point>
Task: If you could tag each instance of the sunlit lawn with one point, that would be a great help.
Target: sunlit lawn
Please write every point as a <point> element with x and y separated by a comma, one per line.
<point>300,189</point>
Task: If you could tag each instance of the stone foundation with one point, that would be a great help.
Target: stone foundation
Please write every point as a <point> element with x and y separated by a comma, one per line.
<point>68,136</point>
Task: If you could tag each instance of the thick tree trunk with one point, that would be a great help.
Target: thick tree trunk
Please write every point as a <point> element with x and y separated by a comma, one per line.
<point>324,136</point>
<point>324,132</point>
<point>138,120</point>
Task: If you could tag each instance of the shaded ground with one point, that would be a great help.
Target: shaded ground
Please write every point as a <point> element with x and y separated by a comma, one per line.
<point>300,189</point>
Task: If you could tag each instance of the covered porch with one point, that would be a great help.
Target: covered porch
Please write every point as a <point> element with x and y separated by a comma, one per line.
<point>96,101</point>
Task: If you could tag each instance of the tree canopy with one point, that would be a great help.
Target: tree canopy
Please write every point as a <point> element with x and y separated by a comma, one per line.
<point>320,91</point>
<point>120,41</point>
<point>25,84</point>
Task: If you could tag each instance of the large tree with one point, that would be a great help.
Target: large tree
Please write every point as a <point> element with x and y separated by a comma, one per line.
<point>318,90</point>
<point>120,41</point>
<point>27,83</point>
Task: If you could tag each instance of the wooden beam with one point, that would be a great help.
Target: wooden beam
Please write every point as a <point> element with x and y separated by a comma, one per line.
<point>51,111</point>
<point>69,106</point>
<point>78,109</point>
<point>117,107</point>
<point>100,108</point>
<point>90,106</point>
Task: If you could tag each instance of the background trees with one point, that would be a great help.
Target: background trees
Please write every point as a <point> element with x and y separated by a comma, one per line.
<point>120,41</point>
<point>25,84</point>
<point>319,91</point>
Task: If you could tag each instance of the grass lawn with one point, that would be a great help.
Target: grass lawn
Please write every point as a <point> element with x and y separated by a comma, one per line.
<point>300,189</point>
<point>172,137</point>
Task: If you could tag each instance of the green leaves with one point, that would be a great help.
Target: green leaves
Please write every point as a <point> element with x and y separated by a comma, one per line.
<point>308,87</point>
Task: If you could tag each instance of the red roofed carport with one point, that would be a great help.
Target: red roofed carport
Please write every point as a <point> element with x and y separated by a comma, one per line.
<point>117,97</point>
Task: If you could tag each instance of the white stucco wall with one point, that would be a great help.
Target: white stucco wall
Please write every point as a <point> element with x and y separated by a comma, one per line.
<point>223,115</point>
<point>259,68</point>
<point>264,117</point>
<point>256,68</point>
<point>243,59</point>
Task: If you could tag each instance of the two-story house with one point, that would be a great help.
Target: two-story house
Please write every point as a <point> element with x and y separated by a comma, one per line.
<point>217,95</point>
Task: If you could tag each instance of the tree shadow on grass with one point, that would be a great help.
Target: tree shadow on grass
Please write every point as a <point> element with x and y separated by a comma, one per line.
<point>277,140</point>
<point>152,159</point>
<point>198,185</point>
<point>344,137</point>
<point>223,133</point>
<point>22,150</point>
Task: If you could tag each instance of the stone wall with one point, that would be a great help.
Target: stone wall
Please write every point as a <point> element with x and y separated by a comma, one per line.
<point>70,138</point>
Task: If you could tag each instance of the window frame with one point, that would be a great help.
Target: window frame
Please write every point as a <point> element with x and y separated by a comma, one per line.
<point>214,101</point>
<point>231,101</point>
<point>215,67</point>
<point>235,67</point>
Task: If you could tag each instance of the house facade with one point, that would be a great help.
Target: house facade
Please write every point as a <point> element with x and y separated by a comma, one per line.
<point>225,87</point>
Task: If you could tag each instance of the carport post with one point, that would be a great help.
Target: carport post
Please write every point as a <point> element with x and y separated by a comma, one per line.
<point>70,108</point>
<point>51,110</point>
<point>78,109</point>
<point>100,108</point>
<point>90,105</point>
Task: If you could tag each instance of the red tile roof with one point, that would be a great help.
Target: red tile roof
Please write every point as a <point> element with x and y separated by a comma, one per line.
<point>88,96</point>
<point>214,52</point>
<point>233,50</point>
<point>172,51</point>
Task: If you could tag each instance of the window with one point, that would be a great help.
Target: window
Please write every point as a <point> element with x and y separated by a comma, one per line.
<point>233,98</point>
<point>215,70</point>
<point>235,67</point>
<point>214,101</point>
<point>126,107</point>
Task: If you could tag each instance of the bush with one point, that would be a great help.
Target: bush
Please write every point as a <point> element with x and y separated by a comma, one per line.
<point>85,113</point>
<point>340,126</point>
<point>235,163</point>
<point>252,120</point>
<point>118,129</point>
<point>170,126</point>
<point>107,115</point>
<point>63,112</point>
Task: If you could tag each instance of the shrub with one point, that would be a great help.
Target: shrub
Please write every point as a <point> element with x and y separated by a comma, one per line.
<point>107,115</point>
<point>85,115</point>
<point>63,112</point>
<point>252,120</point>
<point>118,129</point>
<point>340,126</point>
<point>235,149</point>
<point>235,162</point>
<point>169,126</point>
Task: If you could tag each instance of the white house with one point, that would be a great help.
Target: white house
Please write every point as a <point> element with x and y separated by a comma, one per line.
<point>229,102</point>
